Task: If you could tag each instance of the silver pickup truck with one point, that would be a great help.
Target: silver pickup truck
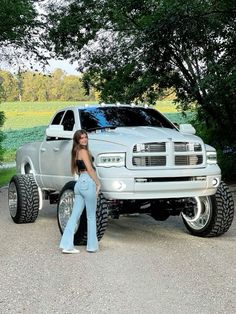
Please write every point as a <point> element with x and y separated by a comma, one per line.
<point>145,163</point>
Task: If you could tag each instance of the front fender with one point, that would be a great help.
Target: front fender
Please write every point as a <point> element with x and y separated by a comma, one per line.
<point>27,160</point>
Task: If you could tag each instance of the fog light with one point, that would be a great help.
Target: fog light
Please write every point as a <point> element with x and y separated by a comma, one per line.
<point>215,182</point>
<point>119,185</point>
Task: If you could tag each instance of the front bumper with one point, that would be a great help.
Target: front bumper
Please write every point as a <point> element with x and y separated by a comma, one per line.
<point>124,184</point>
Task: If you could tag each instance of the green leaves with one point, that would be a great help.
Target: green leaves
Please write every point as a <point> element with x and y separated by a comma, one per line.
<point>16,18</point>
<point>135,50</point>
<point>32,86</point>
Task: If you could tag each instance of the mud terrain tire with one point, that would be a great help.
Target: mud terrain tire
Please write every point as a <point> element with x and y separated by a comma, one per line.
<point>215,216</point>
<point>23,199</point>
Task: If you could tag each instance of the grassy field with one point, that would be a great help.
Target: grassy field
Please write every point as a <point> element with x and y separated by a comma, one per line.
<point>26,121</point>
<point>5,175</point>
<point>30,114</point>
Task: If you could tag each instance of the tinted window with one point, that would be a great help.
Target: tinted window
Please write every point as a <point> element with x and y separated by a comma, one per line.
<point>68,121</point>
<point>92,118</point>
<point>58,117</point>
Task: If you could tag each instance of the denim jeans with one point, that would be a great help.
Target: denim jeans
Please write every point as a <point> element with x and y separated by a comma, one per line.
<point>85,195</point>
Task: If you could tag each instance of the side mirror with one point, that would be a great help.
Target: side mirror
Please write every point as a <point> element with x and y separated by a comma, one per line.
<point>57,131</point>
<point>187,128</point>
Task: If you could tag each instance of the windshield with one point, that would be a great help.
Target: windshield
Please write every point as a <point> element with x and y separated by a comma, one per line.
<point>101,117</point>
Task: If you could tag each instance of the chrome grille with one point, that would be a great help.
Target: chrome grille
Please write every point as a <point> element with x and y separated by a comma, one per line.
<point>168,153</point>
<point>190,160</point>
<point>150,147</point>
<point>149,161</point>
<point>187,147</point>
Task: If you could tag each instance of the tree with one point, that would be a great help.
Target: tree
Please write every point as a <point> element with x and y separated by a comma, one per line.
<point>135,50</point>
<point>21,26</point>
<point>32,83</point>
<point>34,86</point>
<point>9,86</point>
<point>20,37</point>
<point>73,90</point>
<point>57,84</point>
<point>2,119</point>
<point>17,17</point>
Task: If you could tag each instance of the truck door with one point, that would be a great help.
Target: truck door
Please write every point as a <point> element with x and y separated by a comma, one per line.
<point>55,154</point>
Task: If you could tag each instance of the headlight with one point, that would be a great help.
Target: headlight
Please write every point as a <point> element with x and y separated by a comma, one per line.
<point>211,158</point>
<point>111,160</point>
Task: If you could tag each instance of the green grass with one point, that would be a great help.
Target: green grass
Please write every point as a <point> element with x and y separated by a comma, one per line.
<point>9,155</point>
<point>177,117</point>
<point>5,175</point>
<point>165,106</point>
<point>29,114</point>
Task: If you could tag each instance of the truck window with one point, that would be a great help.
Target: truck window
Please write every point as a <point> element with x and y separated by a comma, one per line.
<point>68,121</point>
<point>58,117</point>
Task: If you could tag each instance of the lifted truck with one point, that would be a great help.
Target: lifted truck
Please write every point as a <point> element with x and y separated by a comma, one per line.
<point>144,162</point>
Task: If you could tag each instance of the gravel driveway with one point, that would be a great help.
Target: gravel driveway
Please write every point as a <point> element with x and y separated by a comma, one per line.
<point>143,266</point>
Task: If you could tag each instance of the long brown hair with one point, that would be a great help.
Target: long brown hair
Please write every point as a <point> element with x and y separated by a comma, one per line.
<point>76,147</point>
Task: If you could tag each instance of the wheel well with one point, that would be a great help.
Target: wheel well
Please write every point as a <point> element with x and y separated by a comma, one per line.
<point>27,168</point>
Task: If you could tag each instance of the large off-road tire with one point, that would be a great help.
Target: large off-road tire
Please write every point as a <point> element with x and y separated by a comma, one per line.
<point>64,209</point>
<point>210,216</point>
<point>23,198</point>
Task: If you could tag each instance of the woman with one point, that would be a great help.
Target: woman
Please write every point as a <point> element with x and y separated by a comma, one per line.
<point>86,190</point>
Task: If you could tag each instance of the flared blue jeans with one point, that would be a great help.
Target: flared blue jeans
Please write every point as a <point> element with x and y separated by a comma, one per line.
<point>85,195</point>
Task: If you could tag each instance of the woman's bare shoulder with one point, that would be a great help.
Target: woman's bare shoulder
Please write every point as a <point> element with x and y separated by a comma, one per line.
<point>83,153</point>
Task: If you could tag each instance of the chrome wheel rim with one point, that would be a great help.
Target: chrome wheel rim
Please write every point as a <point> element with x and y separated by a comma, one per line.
<point>201,213</point>
<point>65,208</point>
<point>12,199</point>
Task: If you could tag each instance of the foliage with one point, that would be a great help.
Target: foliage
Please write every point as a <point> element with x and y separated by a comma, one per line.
<point>21,26</point>
<point>19,36</point>
<point>9,86</point>
<point>16,18</point>
<point>29,114</point>
<point>226,155</point>
<point>15,138</point>
<point>5,175</point>
<point>32,86</point>
<point>2,119</point>
<point>135,50</point>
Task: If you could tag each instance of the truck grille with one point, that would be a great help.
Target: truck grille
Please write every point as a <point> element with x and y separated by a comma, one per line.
<point>150,147</point>
<point>167,154</point>
<point>190,160</point>
<point>186,147</point>
<point>149,161</point>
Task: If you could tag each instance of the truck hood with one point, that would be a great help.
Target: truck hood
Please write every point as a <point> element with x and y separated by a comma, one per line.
<point>127,136</point>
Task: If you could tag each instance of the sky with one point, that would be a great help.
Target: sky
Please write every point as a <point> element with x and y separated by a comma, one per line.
<point>64,65</point>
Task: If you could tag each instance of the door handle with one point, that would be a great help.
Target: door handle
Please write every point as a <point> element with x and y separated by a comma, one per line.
<point>56,149</point>
<point>43,149</point>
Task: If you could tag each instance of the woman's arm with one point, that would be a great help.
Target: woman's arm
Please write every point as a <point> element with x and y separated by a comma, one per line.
<point>84,155</point>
